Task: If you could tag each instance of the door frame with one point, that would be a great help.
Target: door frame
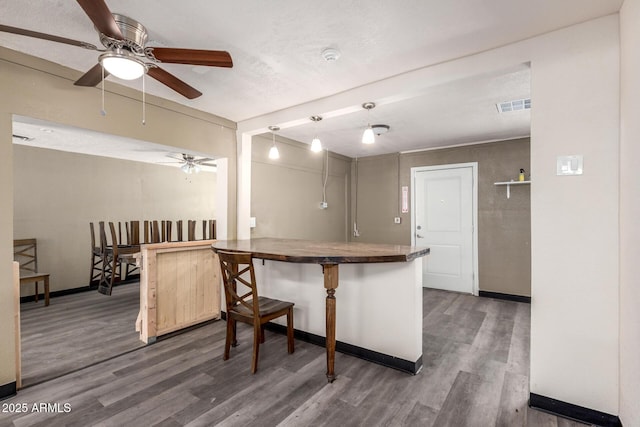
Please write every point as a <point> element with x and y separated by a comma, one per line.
<point>474,207</point>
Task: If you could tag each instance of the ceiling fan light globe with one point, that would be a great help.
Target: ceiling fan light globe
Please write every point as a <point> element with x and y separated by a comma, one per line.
<point>368,136</point>
<point>122,65</point>
<point>316,145</point>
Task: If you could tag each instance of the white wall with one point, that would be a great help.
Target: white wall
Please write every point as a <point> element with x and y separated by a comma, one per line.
<point>57,194</point>
<point>629,215</point>
<point>574,227</point>
<point>363,303</point>
<point>575,110</point>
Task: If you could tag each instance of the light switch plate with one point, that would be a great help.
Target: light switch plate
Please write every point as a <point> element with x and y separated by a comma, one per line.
<point>252,222</point>
<point>569,165</point>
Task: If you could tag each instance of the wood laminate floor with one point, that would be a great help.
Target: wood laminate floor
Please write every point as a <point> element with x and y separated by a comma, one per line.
<point>476,359</point>
<point>76,331</point>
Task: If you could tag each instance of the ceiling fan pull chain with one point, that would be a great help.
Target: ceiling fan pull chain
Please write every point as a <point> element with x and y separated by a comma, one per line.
<point>144,112</point>
<point>102,111</point>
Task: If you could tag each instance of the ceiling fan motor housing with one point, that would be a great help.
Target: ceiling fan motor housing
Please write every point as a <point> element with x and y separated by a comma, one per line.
<point>133,32</point>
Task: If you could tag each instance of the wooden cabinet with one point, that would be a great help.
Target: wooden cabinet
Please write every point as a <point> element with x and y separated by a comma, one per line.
<point>179,287</point>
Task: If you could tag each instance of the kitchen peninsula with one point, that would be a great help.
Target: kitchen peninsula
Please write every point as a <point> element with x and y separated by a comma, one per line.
<point>379,314</point>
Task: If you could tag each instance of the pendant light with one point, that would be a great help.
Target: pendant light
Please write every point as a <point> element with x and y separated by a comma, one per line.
<point>316,145</point>
<point>274,154</point>
<point>368,137</point>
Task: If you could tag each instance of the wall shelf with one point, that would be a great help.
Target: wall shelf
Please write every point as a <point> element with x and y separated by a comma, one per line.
<point>510,183</point>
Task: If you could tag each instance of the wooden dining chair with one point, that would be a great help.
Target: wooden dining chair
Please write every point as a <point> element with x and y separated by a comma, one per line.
<point>96,258</point>
<point>114,257</point>
<point>245,305</point>
<point>25,252</point>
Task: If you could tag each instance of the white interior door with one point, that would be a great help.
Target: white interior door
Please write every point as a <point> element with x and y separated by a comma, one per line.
<point>443,220</point>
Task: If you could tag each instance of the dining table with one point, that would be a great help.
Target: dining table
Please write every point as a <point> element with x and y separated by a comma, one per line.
<point>329,255</point>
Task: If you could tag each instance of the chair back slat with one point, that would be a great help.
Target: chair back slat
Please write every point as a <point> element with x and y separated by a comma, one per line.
<point>103,236</point>
<point>114,239</point>
<point>179,229</point>
<point>212,229</point>
<point>93,237</point>
<point>191,230</point>
<point>146,231</point>
<point>155,232</point>
<point>25,252</point>
<point>135,233</point>
<point>237,269</point>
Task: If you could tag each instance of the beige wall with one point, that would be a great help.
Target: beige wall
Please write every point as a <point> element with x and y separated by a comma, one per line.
<point>36,88</point>
<point>629,215</point>
<point>7,347</point>
<point>286,193</point>
<point>504,225</point>
<point>57,194</point>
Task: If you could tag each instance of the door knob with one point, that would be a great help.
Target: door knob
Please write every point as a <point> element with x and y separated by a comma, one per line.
<point>419,236</point>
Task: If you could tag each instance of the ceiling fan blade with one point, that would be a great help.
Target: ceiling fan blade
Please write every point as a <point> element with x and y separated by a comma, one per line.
<point>203,160</point>
<point>211,58</point>
<point>50,37</point>
<point>100,15</point>
<point>176,156</point>
<point>173,82</point>
<point>92,77</point>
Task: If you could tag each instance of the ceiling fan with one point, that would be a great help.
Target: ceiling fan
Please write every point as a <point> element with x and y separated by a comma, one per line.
<point>191,164</point>
<point>126,55</point>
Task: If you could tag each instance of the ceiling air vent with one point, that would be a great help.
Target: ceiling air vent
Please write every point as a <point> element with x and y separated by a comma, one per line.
<point>515,105</point>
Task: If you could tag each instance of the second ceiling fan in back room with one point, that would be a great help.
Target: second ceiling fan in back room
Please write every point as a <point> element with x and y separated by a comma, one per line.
<point>126,55</point>
<point>190,163</point>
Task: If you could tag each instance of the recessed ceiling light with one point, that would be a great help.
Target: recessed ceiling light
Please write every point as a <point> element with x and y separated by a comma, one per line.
<point>46,130</point>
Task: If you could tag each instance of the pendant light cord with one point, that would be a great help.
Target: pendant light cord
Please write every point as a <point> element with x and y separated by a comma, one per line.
<point>326,176</point>
<point>356,233</point>
<point>398,189</point>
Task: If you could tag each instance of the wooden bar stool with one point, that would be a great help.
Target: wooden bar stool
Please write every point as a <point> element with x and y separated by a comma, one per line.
<point>244,304</point>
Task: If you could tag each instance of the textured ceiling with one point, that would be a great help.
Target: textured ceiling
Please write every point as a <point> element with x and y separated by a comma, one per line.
<point>276,50</point>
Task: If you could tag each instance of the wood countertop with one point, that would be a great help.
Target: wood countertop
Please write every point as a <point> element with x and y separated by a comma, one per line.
<point>317,252</point>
